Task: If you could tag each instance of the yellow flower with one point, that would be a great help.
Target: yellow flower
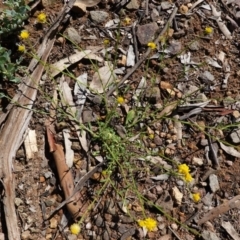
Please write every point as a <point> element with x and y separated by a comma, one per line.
<point>208,30</point>
<point>24,34</point>
<point>152,45</point>
<point>196,197</point>
<point>75,229</point>
<point>42,18</point>
<point>21,48</point>
<point>127,21</point>
<point>149,223</point>
<point>184,170</point>
<point>151,136</point>
<point>188,177</point>
<point>120,100</point>
<point>106,41</point>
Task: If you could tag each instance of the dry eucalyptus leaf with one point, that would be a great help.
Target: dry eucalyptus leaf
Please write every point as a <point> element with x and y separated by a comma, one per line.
<point>230,150</point>
<point>64,63</point>
<point>102,78</point>
<point>69,153</point>
<point>167,110</point>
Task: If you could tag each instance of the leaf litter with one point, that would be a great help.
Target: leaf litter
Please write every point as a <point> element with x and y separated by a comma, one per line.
<point>181,106</point>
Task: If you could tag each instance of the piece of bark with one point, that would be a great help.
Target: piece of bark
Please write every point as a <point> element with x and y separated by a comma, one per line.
<point>65,177</point>
<point>221,209</point>
<point>16,120</point>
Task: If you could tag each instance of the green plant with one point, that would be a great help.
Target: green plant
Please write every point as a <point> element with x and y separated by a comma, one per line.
<point>13,16</point>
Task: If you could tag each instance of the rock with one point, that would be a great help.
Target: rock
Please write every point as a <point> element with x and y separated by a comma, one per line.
<point>145,33</point>
<point>133,4</point>
<point>18,202</point>
<point>105,235</point>
<point>153,94</point>
<point>207,199</point>
<point>213,182</point>
<point>99,221</point>
<point>236,114</point>
<point>207,77</point>
<point>195,46</point>
<point>154,15</point>
<point>99,16</point>
<point>165,201</point>
<point>197,161</point>
<point>72,237</point>
<point>157,140</point>
<point>79,7</point>
<point>235,136</point>
<point>73,35</point>
<point>89,116</point>
<point>166,5</point>
<point>25,235</point>
<point>128,234</point>
<point>207,235</point>
<point>53,223</point>
<point>177,195</point>
<point>50,202</point>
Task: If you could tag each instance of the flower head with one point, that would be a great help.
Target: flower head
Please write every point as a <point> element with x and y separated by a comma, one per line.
<point>106,41</point>
<point>127,21</point>
<point>75,229</point>
<point>148,223</point>
<point>152,45</point>
<point>120,100</point>
<point>42,18</point>
<point>196,197</point>
<point>24,34</point>
<point>21,48</point>
<point>184,170</point>
<point>208,30</point>
<point>151,136</point>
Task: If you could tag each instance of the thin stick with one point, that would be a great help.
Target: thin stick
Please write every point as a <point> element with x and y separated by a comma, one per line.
<point>134,68</point>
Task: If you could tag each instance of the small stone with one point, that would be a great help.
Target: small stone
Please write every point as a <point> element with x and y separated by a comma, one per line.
<point>79,7</point>
<point>146,33</point>
<point>53,223</point>
<point>157,140</point>
<point>73,35</point>
<point>50,202</point>
<point>183,9</point>
<point>18,202</point>
<point>195,46</point>
<point>207,235</point>
<point>99,16</point>
<point>88,116</point>
<point>154,15</point>
<point>229,163</point>
<point>197,161</point>
<point>213,183</point>
<point>207,77</point>
<point>25,235</point>
<point>236,114</point>
<point>177,195</point>
<point>235,136</point>
<point>99,221</point>
<point>105,235</point>
<point>48,174</point>
<point>42,179</point>
<point>133,4</point>
<point>166,5</point>
<point>174,226</point>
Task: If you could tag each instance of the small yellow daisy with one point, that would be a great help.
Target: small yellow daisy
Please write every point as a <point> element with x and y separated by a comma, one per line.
<point>21,48</point>
<point>42,18</point>
<point>75,229</point>
<point>196,197</point>
<point>24,34</point>
<point>120,100</point>
<point>149,223</point>
<point>106,41</point>
<point>208,30</point>
<point>127,21</point>
<point>152,45</point>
